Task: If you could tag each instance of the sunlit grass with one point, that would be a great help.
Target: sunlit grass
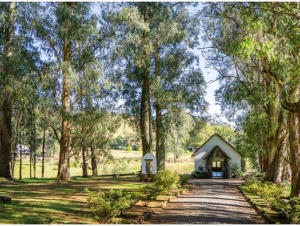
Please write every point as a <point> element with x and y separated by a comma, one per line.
<point>42,201</point>
<point>128,162</point>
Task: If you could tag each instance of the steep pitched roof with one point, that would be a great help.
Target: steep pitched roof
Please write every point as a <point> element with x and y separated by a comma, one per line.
<point>213,149</point>
<point>194,153</point>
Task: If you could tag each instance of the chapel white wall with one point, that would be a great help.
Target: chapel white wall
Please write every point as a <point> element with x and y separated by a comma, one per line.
<point>210,144</point>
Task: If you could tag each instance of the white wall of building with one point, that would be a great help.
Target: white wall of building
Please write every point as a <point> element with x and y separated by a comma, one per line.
<point>209,145</point>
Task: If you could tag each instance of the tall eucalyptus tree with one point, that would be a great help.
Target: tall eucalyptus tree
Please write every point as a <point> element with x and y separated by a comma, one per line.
<point>177,79</point>
<point>19,60</point>
<point>259,40</point>
<point>60,27</point>
<point>161,70</point>
<point>7,55</point>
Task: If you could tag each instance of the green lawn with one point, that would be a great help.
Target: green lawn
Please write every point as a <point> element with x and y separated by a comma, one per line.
<point>42,201</point>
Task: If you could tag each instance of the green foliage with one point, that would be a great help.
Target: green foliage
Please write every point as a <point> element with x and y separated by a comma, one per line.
<point>235,171</point>
<point>118,143</point>
<point>200,173</point>
<point>107,206</point>
<point>74,164</point>
<point>129,148</point>
<point>140,149</point>
<point>183,178</point>
<point>166,179</point>
<point>178,125</point>
<point>120,167</point>
<point>277,196</point>
<point>148,192</point>
<point>202,133</point>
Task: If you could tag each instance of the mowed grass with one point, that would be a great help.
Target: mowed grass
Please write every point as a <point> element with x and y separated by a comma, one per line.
<point>42,201</point>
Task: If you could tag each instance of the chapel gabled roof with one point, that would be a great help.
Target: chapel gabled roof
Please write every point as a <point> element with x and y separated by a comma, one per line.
<point>213,149</point>
<point>194,153</point>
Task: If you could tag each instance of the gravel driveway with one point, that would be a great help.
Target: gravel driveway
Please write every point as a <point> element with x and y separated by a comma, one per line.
<point>211,201</point>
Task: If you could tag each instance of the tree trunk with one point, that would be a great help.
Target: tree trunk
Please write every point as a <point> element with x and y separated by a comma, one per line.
<point>145,118</point>
<point>64,154</point>
<point>30,163</point>
<point>94,162</point>
<point>273,152</point>
<point>160,149</point>
<point>16,141</point>
<point>6,105</point>
<point>43,152</point>
<point>84,163</point>
<point>294,139</point>
<point>145,111</point>
<point>21,156</point>
<point>294,118</point>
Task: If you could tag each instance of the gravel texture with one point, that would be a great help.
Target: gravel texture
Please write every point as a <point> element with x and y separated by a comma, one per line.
<point>210,201</point>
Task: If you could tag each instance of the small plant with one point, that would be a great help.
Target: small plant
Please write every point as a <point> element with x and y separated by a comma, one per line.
<point>120,167</point>
<point>140,149</point>
<point>183,178</point>
<point>129,148</point>
<point>148,193</point>
<point>234,171</point>
<point>275,194</point>
<point>75,164</point>
<point>108,206</point>
<point>200,173</point>
<point>166,179</point>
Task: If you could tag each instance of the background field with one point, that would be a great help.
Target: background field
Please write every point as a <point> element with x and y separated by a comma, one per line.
<point>125,162</point>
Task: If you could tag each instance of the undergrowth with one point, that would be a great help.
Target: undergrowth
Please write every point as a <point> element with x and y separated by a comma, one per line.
<point>277,195</point>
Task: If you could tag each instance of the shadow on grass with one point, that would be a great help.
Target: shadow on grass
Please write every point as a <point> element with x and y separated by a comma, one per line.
<point>42,201</point>
<point>44,212</point>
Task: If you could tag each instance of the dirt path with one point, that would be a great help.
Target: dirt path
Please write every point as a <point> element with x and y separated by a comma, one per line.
<point>214,201</point>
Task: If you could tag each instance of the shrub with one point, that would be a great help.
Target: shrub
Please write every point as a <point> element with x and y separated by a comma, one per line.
<point>183,178</point>
<point>200,173</point>
<point>118,142</point>
<point>108,206</point>
<point>74,164</point>
<point>148,193</point>
<point>235,171</point>
<point>166,179</point>
<point>275,194</point>
<point>129,148</point>
<point>120,167</point>
<point>294,211</point>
